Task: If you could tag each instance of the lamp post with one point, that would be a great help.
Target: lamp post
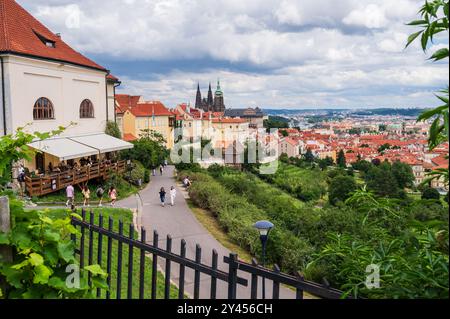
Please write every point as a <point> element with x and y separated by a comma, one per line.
<point>264,227</point>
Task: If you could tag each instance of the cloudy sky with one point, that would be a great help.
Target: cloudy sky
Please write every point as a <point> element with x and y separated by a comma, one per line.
<point>267,53</point>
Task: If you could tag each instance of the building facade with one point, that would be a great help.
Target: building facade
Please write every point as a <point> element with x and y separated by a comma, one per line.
<point>135,117</point>
<point>45,84</point>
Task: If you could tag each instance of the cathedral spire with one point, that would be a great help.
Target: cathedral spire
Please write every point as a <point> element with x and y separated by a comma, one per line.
<point>198,100</point>
<point>210,97</point>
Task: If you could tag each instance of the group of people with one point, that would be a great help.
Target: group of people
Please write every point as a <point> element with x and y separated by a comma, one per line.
<point>162,196</point>
<point>70,193</point>
<point>161,168</point>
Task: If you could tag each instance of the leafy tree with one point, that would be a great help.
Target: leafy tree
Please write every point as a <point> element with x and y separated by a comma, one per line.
<point>113,130</point>
<point>434,20</point>
<point>384,147</point>
<point>403,174</point>
<point>149,149</point>
<point>376,162</point>
<point>276,122</point>
<point>341,161</point>
<point>382,182</point>
<point>363,166</point>
<point>326,162</point>
<point>284,133</point>
<point>284,158</point>
<point>309,157</point>
<point>382,127</point>
<point>341,188</point>
<point>354,131</point>
<point>431,193</point>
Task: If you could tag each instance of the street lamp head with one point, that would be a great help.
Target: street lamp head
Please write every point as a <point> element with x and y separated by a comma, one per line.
<point>263,227</point>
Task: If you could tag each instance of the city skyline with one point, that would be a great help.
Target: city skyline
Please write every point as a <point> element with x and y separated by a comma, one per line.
<point>286,55</point>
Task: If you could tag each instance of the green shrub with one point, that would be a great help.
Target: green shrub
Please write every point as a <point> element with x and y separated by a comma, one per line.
<point>43,250</point>
<point>431,193</point>
<point>147,176</point>
<point>137,173</point>
<point>341,188</point>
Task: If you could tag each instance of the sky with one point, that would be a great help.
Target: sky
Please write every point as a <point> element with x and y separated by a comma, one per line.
<point>268,53</point>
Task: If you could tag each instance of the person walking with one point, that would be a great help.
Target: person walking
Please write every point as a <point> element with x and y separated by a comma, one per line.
<point>162,196</point>
<point>173,195</point>
<point>113,195</point>
<point>87,195</point>
<point>100,192</point>
<point>161,169</point>
<point>70,193</point>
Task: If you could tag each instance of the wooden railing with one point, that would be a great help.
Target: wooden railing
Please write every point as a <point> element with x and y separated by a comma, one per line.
<point>50,183</point>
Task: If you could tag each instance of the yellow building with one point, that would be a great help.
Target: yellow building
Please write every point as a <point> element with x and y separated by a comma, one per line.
<point>135,116</point>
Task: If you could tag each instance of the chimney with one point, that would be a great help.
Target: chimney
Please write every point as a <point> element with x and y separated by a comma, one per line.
<point>58,35</point>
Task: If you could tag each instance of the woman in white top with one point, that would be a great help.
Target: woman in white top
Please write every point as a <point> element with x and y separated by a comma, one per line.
<point>173,195</point>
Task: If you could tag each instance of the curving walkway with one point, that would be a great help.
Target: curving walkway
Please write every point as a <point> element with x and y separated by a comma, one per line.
<point>180,223</point>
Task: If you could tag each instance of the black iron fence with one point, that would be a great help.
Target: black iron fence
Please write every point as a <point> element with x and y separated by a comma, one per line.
<point>115,251</point>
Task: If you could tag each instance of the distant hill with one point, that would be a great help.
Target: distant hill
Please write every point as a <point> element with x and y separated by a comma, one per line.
<point>360,112</point>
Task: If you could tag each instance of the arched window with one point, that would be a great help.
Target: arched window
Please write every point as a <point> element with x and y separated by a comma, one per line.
<point>43,109</point>
<point>86,109</point>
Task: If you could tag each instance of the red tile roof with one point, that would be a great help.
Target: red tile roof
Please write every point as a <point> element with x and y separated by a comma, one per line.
<point>129,137</point>
<point>112,78</point>
<point>127,101</point>
<point>292,141</point>
<point>21,33</point>
<point>151,108</point>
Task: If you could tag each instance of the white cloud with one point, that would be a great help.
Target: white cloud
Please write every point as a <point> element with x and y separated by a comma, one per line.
<point>277,53</point>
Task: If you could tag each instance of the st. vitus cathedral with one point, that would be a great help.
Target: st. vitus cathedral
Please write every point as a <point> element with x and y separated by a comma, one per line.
<point>210,104</point>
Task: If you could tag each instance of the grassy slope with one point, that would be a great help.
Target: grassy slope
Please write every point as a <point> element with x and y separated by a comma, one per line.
<point>127,217</point>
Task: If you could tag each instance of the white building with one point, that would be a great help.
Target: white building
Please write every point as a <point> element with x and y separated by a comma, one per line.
<point>45,84</point>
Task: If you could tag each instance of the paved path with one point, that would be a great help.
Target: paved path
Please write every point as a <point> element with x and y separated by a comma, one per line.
<point>180,223</point>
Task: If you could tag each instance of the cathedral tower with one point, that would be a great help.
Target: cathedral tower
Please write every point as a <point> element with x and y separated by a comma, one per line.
<point>198,99</point>
<point>219,103</point>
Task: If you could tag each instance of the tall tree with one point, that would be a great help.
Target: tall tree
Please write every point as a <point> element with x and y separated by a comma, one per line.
<point>341,161</point>
<point>403,174</point>
<point>113,129</point>
<point>309,156</point>
<point>341,188</point>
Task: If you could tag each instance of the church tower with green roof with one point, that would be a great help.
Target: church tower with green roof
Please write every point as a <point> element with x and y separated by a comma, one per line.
<point>219,103</point>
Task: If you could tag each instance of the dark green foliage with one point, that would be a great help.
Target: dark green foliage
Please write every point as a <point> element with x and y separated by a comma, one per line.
<point>431,193</point>
<point>362,166</point>
<point>43,251</point>
<point>341,240</point>
<point>384,147</point>
<point>309,157</point>
<point>237,215</point>
<point>113,129</point>
<point>284,133</point>
<point>341,161</point>
<point>403,174</point>
<point>147,176</point>
<point>325,163</point>
<point>276,122</point>
<point>150,150</point>
<point>341,188</point>
<point>382,182</point>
